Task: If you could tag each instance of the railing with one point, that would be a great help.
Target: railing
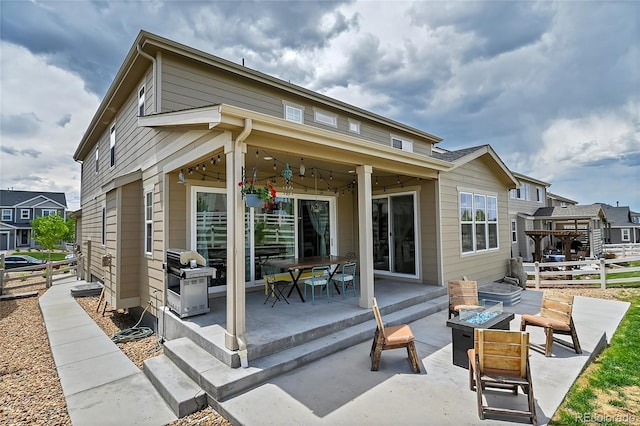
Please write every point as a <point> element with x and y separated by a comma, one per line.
<point>45,274</point>
<point>582,272</point>
<point>623,250</point>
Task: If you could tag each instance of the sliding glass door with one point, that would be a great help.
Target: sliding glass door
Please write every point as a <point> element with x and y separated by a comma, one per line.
<point>394,234</point>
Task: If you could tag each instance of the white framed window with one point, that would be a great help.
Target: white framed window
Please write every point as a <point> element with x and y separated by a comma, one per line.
<point>325,117</point>
<point>148,222</point>
<point>626,234</point>
<point>293,113</point>
<point>354,126</point>
<point>513,193</point>
<point>104,226</point>
<point>514,231</point>
<point>7,215</point>
<point>539,195</point>
<point>25,213</point>
<point>403,144</point>
<point>526,192</point>
<point>112,145</point>
<point>141,101</point>
<point>97,158</point>
<point>49,212</point>
<point>478,222</point>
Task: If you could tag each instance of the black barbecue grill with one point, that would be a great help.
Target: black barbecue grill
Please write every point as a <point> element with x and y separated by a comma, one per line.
<point>186,279</point>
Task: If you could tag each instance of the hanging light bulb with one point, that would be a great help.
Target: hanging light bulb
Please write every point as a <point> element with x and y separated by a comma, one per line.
<point>204,167</point>
<point>181,177</point>
<point>213,161</point>
<point>330,175</point>
<point>190,171</point>
<point>197,167</point>
<point>376,180</point>
<point>274,164</point>
<point>303,169</point>
<point>257,153</point>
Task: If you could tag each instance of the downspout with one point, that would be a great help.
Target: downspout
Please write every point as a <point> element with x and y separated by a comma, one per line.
<point>241,338</point>
<point>153,61</point>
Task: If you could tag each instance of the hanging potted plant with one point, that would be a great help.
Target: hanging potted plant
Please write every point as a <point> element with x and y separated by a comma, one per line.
<point>257,196</point>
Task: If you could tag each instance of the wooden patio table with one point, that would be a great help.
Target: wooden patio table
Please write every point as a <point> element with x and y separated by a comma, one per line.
<point>296,266</point>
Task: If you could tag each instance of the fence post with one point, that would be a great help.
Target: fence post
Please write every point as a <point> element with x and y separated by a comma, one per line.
<point>603,274</point>
<point>1,279</point>
<point>537,274</point>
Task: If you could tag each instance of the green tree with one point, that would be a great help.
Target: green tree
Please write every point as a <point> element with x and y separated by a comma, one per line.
<point>70,236</point>
<point>49,231</point>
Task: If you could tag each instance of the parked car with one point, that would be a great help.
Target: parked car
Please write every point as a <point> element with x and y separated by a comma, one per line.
<point>19,261</point>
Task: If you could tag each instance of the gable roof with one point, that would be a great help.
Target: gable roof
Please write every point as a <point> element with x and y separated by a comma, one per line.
<point>465,155</point>
<point>570,212</point>
<point>618,216</point>
<point>560,198</point>
<point>147,44</point>
<point>522,177</point>
<point>10,198</point>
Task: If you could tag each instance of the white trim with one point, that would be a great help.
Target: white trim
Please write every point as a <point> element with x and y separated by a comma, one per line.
<point>473,222</point>
<point>401,143</point>
<point>148,221</point>
<point>324,117</point>
<point>10,216</point>
<point>291,108</point>
<point>353,125</point>
<point>112,145</point>
<point>142,100</point>
<point>622,234</point>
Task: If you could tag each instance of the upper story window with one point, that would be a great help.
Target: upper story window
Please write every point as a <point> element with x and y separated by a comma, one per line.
<point>97,158</point>
<point>112,145</point>
<point>401,143</point>
<point>513,193</point>
<point>7,215</point>
<point>478,222</point>
<point>148,222</point>
<point>539,195</point>
<point>514,231</point>
<point>354,126</point>
<point>49,212</point>
<point>293,113</point>
<point>325,118</point>
<point>141,102</point>
<point>25,213</point>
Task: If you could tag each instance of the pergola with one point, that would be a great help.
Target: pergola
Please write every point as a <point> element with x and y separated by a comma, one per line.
<point>565,236</point>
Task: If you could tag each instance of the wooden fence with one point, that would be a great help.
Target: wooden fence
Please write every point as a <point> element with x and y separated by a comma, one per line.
<point>14,278</point>
<point>582,272</point>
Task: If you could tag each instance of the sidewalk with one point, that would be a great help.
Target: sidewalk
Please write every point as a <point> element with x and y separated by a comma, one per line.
<point>101,385</point>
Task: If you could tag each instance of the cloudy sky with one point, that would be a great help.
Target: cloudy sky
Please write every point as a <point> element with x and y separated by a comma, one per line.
<point>554,87</point>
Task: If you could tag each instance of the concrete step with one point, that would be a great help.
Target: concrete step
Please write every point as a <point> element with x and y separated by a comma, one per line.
<point>181,393</point>
<point>220,381</point>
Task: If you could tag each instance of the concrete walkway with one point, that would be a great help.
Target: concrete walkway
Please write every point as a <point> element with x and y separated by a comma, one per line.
<point>102,386</point>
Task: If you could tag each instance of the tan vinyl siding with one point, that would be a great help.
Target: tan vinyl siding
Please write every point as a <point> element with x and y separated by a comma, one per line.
<point>346,224</point>
<point>130,220</point>
<point>188,85</point>
<point>482,266</point>
<point>428,232</point>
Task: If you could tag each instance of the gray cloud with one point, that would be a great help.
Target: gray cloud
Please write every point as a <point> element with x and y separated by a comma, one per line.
<point>26,124</point>
<point>28,152</point>
<point>64,120</point>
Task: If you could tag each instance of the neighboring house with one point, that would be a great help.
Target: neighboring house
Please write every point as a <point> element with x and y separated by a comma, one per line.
<point>554,200</point>
<point>19,208</point>
<point>179,128</point>
<point>589,219</point>
<point>524,201</point>
<point>623,225</point>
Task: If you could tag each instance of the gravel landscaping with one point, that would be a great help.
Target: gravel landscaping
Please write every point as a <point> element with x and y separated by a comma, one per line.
<point>31,392</point>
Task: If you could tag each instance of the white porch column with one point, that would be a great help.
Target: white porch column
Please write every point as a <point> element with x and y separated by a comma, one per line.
<point>365,235</point>
<point>236,325</point>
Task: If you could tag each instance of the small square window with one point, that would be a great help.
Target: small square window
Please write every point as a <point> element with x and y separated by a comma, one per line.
<point>293,113</point>
<point>354,126</point>
<point>25,214</point>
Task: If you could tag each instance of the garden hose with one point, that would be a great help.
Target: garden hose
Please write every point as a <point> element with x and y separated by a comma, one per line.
<point>134,332</point>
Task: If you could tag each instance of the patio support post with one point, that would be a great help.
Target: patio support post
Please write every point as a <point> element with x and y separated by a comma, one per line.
<point>365,235</point>
<point>236,325</point>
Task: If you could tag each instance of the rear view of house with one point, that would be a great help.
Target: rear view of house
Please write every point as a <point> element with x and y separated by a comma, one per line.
<point>179,129</point>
